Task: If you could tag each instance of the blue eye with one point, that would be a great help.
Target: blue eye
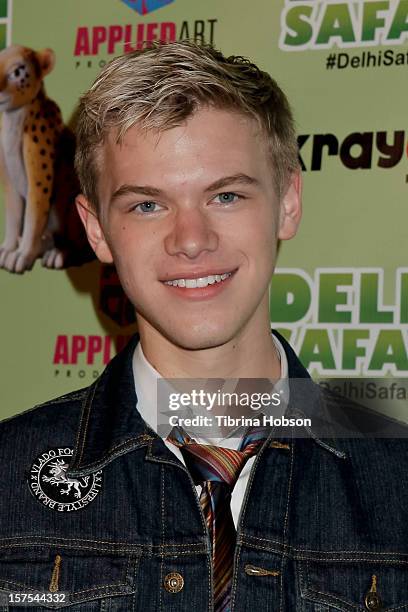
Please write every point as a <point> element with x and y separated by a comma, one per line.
<point>146,207</point>
<point>228,197</point>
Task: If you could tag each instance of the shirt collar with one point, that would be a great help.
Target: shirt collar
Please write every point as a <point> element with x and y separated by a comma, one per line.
<point>111,425</point>
<point>146,377</point>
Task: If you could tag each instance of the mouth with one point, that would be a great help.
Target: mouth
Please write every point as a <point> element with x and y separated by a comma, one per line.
<point>200,282</point>
<point>200,286</point>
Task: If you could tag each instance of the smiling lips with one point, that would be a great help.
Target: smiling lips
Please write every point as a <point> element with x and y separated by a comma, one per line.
<point>209,282</point>
<point>202,281</point>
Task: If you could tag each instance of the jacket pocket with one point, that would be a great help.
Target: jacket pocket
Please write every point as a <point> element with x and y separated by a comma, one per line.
<point>359,586</point>
<point>83,578</point>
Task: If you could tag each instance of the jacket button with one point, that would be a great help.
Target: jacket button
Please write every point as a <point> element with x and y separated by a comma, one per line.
<point>373,602</point>
<point>174,582</point>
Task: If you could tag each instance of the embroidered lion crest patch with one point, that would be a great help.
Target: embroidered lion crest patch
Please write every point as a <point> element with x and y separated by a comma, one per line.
<point>52,487</point>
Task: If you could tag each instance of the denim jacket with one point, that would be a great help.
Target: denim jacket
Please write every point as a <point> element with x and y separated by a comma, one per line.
<point>323,526</point>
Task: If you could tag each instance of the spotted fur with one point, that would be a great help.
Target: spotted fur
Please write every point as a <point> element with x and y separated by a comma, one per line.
<point>36,164</point>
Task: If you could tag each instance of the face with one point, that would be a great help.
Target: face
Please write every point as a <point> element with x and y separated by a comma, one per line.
<point>191,219</point>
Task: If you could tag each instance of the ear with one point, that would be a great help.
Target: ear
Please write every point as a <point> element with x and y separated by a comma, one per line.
<point>93,229</point>
<point>291,207</point>
<point>46,60</point>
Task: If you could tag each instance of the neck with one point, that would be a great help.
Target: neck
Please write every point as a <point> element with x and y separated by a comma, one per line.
<point>250,354</point>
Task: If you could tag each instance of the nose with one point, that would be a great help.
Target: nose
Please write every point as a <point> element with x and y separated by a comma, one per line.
<point>191,234</point>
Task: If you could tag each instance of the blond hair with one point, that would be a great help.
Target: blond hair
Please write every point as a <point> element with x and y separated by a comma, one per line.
<point>160,87</point>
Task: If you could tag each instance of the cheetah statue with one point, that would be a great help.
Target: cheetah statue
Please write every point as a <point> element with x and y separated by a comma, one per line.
<point>36,168</point>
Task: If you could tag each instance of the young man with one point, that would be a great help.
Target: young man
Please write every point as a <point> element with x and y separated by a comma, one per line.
<point>189,174</point>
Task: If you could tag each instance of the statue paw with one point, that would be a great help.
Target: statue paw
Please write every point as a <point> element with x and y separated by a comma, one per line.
<point>5,249</point>
<point>53,258</point>
<point>19,261</point>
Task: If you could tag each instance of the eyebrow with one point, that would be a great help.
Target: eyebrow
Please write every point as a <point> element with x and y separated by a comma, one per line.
<point>242,179</point>
<point>140,189</point>
<point>147,190</point>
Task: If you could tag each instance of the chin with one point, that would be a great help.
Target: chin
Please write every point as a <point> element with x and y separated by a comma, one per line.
<point>199,337</point>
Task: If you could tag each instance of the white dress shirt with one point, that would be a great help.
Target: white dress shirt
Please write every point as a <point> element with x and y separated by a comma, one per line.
<point>146,377</point>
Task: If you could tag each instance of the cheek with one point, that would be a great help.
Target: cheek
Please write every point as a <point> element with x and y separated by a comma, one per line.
<point>261,235</point>
<point>263,250</point>
<point>132,279</point>
<point>133,258</point>
<point>118,237</point>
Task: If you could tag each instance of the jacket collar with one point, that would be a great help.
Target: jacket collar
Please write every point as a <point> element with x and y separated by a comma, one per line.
<point>110,424</point>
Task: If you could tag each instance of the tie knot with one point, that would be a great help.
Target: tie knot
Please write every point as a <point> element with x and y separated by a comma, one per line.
<point>215,463</point>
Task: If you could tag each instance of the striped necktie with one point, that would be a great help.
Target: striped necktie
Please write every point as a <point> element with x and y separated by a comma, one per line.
<point>217,469</point>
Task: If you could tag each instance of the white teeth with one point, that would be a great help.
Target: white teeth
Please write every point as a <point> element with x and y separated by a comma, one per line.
<point>193,283</point>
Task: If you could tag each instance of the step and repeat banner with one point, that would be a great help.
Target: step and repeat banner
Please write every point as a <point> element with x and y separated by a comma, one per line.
<point>340,293</point>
